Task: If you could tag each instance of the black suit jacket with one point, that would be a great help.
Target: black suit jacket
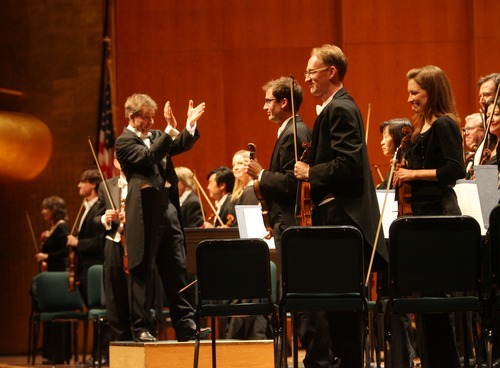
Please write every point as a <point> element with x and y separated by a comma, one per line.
<point>191,211</point>
<point>278,184</point>
<point>340,166</point>
<point>90,249</point>
<point>152,167</point>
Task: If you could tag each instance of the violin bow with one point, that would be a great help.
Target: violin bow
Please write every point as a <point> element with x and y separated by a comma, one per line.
<point>32,232</point>
<point>479,152</point>
<point>368,122</point>
<point>207,199</point>
<point>103,179</point>
<point>379,226</point>
<point>201,204</point>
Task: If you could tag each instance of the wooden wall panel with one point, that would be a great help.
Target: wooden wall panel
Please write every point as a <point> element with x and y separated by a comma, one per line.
<point>385,39</point>
<point>221,53</point>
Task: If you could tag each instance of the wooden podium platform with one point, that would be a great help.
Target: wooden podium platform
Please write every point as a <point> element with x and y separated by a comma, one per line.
<point>173,354</point>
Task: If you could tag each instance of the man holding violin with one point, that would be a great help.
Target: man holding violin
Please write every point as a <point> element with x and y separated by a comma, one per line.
<point>342,188</point>
<point>279,186</point>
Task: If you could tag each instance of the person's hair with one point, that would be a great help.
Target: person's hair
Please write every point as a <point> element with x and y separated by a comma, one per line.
<point>495,77</point>
<point>186,177</point>
<point>491,139</point>
<point>332,55</point>
<point>137,102</point>
<point>440,100</point>
<point>281,89</point>
<point>239,186</point>
<point>57,208</point>
<point>395,127</point>
<point>92,176</point>
<point>477,118</point>
<point>225,175</point>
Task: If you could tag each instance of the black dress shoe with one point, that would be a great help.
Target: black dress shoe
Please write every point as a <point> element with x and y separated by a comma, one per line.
<point>94,363</point>
<point>190,335</point>
<point>145,336</point>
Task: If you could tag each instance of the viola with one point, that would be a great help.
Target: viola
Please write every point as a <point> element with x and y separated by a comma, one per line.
<point>256,188</point>
<point>404,190</point>
<point>303,210</point>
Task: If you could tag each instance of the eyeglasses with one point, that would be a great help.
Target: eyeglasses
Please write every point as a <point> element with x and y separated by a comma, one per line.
<point>308,73</point>
<point>467,130</point>
<point>269,100</point>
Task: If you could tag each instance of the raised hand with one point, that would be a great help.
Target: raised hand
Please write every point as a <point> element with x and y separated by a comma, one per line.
<point>169,115</point>
<point>194,113</point>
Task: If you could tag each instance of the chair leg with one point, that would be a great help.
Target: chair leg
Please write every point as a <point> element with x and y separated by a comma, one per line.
<point>36,331</point>
<point>99,342</point>
<point>85,339</point>
<point>30,336</point>
<point>214,353</point>
<point>283,342</point>
<point>75,340</point>
<point>295,338</point>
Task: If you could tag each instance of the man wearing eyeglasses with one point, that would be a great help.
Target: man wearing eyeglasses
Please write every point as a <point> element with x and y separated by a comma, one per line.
<point>342,188</point>
<point>473,132</point>
<point>488,86</point>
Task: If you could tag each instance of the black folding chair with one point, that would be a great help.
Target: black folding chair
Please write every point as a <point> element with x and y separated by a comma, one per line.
<point>56,303</point>
<point>494,277</point>
<point>435,267</point>
<point>96,306</point>
<point>232,269</point>
<point>322,270</point>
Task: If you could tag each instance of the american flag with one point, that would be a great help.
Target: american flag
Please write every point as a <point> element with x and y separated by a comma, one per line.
<point>106,131</point>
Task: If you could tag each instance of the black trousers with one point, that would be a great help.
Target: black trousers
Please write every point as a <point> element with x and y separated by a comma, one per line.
<point>164,251</point>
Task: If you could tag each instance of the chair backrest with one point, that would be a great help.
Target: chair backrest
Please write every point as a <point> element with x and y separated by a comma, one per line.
<point>493,259</point>
<point>95,298</point>
<point>434,254</point>
<point>233,269</point>
<point>322,260</point>
<point>53,294</point>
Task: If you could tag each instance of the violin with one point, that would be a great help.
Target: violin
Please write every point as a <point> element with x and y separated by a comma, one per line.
<point>256,188</point>
<point>230,220</point>
<point>304,202</point>
<point>404,190</point>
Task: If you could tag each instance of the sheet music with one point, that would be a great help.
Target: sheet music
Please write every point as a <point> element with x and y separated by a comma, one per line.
<point>468,201</point>
<point>390,211</point>
<point>487,186</point>
<point>251,223</point>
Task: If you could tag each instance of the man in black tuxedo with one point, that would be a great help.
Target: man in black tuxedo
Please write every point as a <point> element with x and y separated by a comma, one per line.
<point>154,234</point>
<point>115,277</point>
<point>89,240</point>
<point>279,187</point>
<point>89,244</point>
<point>342,188</point>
